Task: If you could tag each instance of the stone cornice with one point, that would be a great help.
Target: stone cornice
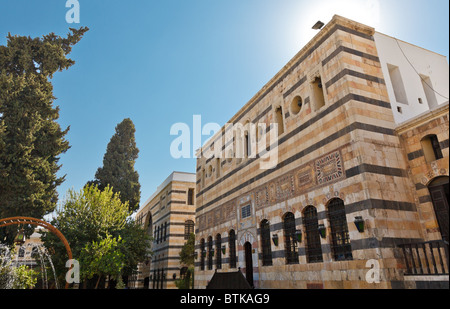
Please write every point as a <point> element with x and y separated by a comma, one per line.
<point>422,119</point>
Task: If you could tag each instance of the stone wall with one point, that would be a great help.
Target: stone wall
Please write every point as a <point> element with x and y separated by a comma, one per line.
<point>167,211</point>
<point>346,149</point>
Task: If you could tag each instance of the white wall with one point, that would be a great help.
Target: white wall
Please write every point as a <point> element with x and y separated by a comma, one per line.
<point>409,59</point>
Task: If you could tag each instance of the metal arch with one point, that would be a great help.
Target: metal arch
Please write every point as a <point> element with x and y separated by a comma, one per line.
<point>38,222</point>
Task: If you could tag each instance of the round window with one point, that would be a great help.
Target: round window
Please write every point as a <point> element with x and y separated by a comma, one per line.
<point>296,105</point>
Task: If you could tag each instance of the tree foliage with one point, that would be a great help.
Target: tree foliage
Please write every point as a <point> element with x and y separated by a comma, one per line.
<point>97,220</point>
<point>102,258</point>
<point>187,260</point>
<point>31,140</point>
<point>187,251</point>
<point>118,165</point>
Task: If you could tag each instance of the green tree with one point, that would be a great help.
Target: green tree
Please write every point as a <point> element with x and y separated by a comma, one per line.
<point>135,246</point>
<point>102,258</point>
<point>118,165</point>
<point>90,219</point>
<point>31,140</point>
<point>187,260</point>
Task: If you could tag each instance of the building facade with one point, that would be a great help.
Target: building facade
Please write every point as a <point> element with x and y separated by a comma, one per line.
<point>169,217</point>
<point>356,197</point>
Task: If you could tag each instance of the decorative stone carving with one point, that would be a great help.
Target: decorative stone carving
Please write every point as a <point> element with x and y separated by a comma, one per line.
<point>329,168</point>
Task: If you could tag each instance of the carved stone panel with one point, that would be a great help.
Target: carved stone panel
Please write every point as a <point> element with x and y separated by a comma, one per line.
<point>329,168</point>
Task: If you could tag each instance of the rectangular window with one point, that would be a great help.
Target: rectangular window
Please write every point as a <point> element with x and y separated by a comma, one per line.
<point>265,244</point>
<point>217,168</point>
<point>431,148</point>
<point>191,197</point>
<point>397,84</point>
<point>165,231</point>
<point>317,91</point>
<point>246,211</point>
<point>232,246</point>
<point>429,91</point>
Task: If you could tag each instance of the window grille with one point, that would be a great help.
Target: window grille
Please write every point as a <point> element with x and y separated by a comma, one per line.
<point>202,254</point>
<point>246,211</point>
<point>188,229</point>
<point>341,246</point>
<point>265,243</point>
<point>313,246</point>
<point>289,239</point>
<point>210,252</point>
<point>165,231</point>
<point>219,251</point>
<point>232,248</point>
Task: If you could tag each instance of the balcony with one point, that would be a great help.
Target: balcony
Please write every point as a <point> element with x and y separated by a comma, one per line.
<point>430,258</point>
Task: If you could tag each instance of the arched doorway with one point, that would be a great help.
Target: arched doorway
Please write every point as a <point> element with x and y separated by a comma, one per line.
<point>248,263</point>
<point>439,192</point>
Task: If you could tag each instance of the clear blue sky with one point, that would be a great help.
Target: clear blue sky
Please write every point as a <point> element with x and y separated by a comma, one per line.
<point>161,62</point>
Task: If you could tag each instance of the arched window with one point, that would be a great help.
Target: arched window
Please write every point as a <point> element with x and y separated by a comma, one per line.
<point>249,137</point>
<point>232,248</point>
<point>203,178</point>
<point>290,246</point>
<point>279,120</point>
<point>219,251</point>
<point>431,148</point>
<point>188,229</point>
<point>341,246</point>
<point>317,93</point>
<point>202,254</point>
<point>248,149</point>
<point>313,246</point>
<point>265,243</point>
<point>210,169</point>
<point>210,252</point>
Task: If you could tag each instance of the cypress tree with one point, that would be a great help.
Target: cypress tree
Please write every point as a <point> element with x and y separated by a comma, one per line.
<point>118,165</point>
<point>30,138</point>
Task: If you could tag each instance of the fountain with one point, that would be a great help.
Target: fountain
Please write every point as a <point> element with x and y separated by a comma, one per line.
<point>8,264</point>
<point>25,254</point>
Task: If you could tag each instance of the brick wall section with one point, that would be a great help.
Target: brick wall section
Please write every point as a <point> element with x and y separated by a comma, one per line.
<point>355,131</point>
<point>421,172</point>
<point>175,213</point>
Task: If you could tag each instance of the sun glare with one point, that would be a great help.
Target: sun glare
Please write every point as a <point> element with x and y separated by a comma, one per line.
<point>363,11</point>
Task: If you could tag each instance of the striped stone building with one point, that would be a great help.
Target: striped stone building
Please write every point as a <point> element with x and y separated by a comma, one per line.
<point>361,171</point>
<point>169,217</point>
